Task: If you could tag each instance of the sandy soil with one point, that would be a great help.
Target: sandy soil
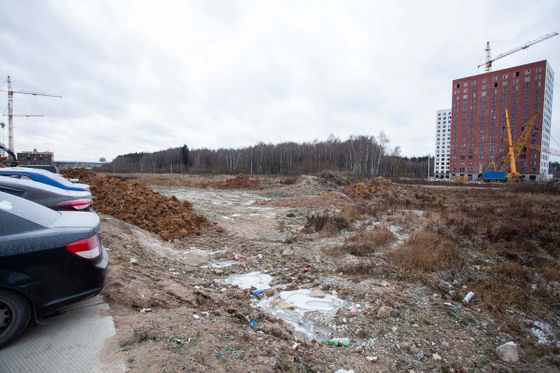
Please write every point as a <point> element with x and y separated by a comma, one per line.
<point>177,309</point>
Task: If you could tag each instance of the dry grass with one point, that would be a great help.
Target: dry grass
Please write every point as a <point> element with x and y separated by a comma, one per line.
<point>325,223</point>
<point>365,242</point>
<point>426,252</point>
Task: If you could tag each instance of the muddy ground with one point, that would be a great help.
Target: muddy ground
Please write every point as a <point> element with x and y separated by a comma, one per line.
<point>184,305</point>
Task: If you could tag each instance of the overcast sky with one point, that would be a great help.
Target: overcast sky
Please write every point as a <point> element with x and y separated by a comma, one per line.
<point>147,75</point>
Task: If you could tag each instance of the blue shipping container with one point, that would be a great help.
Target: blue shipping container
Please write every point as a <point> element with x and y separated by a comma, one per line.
<point>494,175</point>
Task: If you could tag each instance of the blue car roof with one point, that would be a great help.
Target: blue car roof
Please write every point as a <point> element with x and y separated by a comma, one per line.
<point>41,176</point>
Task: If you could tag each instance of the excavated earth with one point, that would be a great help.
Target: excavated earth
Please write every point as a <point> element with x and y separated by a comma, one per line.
<point>185,303</point>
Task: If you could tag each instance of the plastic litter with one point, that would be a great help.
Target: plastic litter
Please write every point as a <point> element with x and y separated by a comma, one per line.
<point>146,309</point>
<point>344,371</point>
<point>257,292</point>
<point>339,342</point>
<point>468,297</point>
<point>252,323</point>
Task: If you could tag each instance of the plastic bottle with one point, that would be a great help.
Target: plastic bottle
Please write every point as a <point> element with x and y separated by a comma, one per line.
<point>339,342</point>
<point>257,292</point>
<point>468,297</point>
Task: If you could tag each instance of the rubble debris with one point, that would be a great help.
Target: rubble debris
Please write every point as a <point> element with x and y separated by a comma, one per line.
<point>508,352</point>
<point>385,311</point>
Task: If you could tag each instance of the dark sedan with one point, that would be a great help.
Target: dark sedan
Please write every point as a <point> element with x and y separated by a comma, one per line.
<point>46,195</point>
<point>48,259</point>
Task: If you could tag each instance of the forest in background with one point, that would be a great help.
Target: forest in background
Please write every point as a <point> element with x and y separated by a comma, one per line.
<point>364,156</point>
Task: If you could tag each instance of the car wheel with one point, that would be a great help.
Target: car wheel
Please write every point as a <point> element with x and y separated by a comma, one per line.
<point>15,313</point>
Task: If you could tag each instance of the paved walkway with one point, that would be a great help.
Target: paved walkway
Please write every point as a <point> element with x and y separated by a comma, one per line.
<point>69,342</point>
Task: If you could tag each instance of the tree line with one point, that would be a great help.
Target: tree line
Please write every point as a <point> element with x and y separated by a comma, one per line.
<point>361,156</point>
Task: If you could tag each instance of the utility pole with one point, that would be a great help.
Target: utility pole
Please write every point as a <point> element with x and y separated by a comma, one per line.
<point>11,114</point>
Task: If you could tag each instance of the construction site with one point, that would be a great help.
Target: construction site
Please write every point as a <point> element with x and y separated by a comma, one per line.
<point>225,274</point>
<point>342,255</point>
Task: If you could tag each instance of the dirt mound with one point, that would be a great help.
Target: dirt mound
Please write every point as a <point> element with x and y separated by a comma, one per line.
<point>137,204</point>
<point>326,200</point>
<point>239,182</point>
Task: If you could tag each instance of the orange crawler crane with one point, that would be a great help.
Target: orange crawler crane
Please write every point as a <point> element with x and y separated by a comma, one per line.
<point>508,168</point>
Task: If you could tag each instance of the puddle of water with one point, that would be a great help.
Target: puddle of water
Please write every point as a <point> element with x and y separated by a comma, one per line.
<point>224,264</point>
<point>309,316</point>
<point>252,279</point>
<point>205,252</point>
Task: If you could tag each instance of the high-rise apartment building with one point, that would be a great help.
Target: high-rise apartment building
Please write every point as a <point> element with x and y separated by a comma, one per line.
<point>478,128</point>
<point>443,137</point>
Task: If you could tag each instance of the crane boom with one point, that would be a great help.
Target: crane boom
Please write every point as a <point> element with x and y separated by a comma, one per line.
<point>488,63</point>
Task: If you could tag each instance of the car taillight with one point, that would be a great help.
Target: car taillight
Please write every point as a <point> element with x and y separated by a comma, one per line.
<point>89,248</point>
<point>75,204</point>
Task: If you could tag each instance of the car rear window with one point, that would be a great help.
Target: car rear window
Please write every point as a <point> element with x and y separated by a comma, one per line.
<point>13,224</point>
<point>13,207</point>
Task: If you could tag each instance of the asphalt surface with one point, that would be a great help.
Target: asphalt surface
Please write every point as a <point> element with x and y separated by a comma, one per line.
<point>69,342</point>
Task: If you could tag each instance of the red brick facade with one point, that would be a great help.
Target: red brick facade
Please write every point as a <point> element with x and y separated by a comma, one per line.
<point>478,129</point>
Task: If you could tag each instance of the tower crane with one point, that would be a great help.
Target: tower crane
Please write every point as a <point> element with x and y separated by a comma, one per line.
<point>11,114</point>
<point>488,60</point>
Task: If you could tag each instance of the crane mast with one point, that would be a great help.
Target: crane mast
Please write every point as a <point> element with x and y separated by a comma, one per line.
<point>11,114</point>
<point>488,60</point>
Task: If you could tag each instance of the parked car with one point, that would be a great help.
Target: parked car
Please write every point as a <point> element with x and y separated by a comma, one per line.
<point>46,195</point>
<point>42,176</point>
<point>46,167</point>
<point>48,259</point>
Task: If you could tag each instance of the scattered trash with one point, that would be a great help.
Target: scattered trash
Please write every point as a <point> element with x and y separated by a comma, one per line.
<point>205,314</point>
<point>306,269</point>
<point>133,260</point>
<point>248,280</point>
<point>257,292</point>
<point>371,358</point>
<point>508,352</point>
<point>339,342</point>
<point>195,316</point>
<point>436,356</point>
<point>344,371</point>
<point>146,310</point>
<point>468,297</point>
<point>252,323</point>
<point>177,343</point>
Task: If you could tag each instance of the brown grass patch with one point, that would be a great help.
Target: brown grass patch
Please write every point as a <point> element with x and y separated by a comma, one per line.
<point>426,252</point>
<point>365,242</point>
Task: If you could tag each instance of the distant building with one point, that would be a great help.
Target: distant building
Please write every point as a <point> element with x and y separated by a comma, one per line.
<point>478,130</point>
<point>443,137</point>
<point>35,157</point>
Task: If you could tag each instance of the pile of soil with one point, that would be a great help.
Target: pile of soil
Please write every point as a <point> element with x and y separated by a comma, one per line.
<point>137,204</point>
<point>239,182</point>
<point>325,200</point>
